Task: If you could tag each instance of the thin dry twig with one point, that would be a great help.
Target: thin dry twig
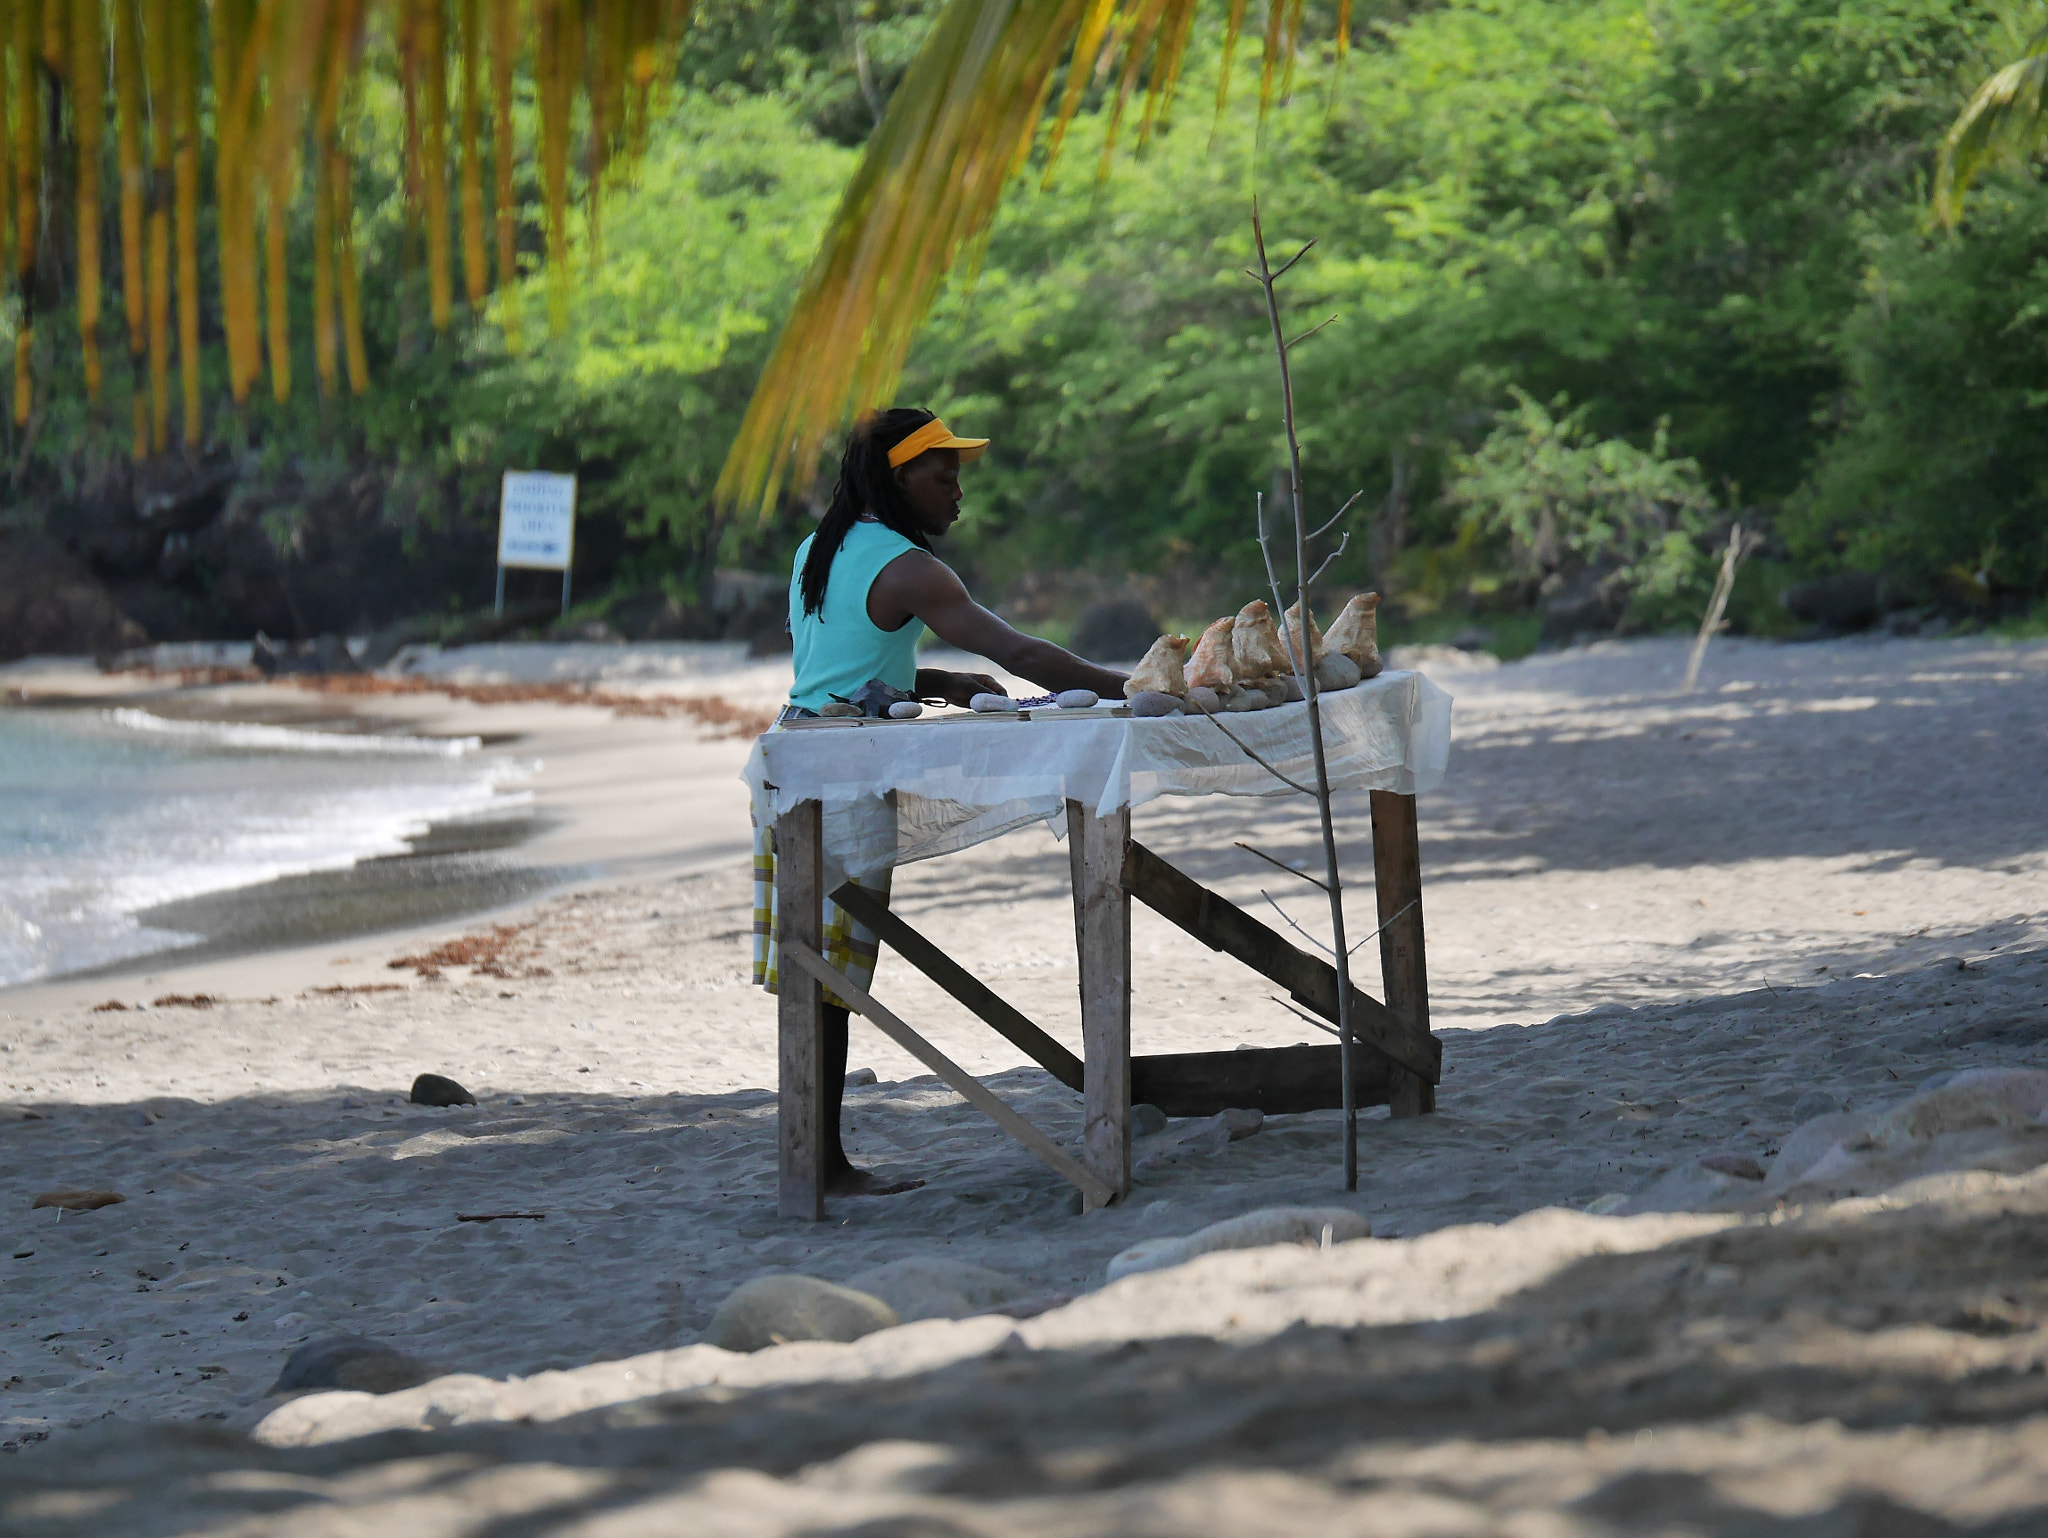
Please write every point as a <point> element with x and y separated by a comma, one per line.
<point>1341,544</point>
<point>1252,753</point>
<point>1392,919</point>
<point>1321,1025</point>
<point>1312,940</point>
<point>1270,860</point>
<point>1303,662</point>
<point>1349,503</point>
<point>1312,330</point>
<point>1276,277</point>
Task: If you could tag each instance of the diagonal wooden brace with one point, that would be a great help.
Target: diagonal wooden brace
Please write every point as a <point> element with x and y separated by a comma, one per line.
<point>1223,926</point>
<point>971,1089</point>
<point>1007,1021</point>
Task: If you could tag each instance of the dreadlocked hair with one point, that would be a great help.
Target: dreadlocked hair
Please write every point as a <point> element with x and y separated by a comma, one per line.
<point>866,487</point>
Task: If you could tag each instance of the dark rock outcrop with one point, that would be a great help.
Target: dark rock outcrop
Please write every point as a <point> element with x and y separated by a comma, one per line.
<point>51,603</point>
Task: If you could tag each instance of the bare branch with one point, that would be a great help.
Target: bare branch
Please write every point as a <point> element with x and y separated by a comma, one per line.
<point>1321,1025</point>
<point>1279,608</point>
<point>1247,848</point>
<point>1377,932</point>
<point>1353,502</point>
<point>1332,871</point>
<point>1329,558</point>
<point>1312,330</point>
<point>1312,940</point>
<point>1250,753</point>
<point>1282,270</point>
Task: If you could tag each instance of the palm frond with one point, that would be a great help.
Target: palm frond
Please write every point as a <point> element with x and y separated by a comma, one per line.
<point>2003,119</point>
<point>959,127</point>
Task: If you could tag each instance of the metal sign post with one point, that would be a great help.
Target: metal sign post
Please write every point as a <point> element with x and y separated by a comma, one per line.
<point>536,526</point>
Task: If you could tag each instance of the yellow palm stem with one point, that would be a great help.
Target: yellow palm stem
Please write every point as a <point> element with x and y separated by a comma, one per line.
<point>182,42</point>
<point>476,266</point>
<point>28,186</point>
<point>504,55</point>
<point>128,129</point>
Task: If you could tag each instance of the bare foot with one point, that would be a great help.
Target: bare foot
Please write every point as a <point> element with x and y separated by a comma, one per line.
<point>848,1181</point>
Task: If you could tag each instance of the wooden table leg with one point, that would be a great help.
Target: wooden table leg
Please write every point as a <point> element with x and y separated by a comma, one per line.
<point>1397,872</point>
<point>1102,938</point>
<point>800,1109</point>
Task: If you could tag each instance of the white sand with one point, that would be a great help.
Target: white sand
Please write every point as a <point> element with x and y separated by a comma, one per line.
<point>1655,923</point>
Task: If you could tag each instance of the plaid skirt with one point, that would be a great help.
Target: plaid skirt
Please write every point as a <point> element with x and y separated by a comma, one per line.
<point>852,948</point>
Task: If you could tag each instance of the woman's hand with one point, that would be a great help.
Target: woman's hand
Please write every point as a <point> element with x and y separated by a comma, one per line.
<point>955,688</point>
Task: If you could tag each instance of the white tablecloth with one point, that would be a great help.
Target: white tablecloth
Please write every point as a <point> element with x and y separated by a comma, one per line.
<point>960,780</point>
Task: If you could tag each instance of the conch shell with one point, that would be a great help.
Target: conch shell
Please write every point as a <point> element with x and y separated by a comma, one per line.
<point>1357,634</point>
<point>1255,649</point>
<point>1210,668</point>
<point>1160,671</point>
<point>1291,623</point>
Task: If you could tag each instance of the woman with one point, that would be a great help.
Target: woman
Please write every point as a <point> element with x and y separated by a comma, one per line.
<point>864,590</point>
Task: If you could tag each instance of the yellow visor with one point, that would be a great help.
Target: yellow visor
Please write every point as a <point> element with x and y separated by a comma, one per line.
<point>935,435</point>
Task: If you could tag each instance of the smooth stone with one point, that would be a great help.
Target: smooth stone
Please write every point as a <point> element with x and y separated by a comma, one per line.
<point>1815,1102</point>
<point>1740,1165</point>
<point>931,1287</point>
<point>1150,702</point>
<point>905,710</point>
<point>1956,1107</point>
<point>1696,1187</point>
<point>1243,699</point>
<point>1336,671</point>
<point>1809,1143</point>
<point>78,1201</point>
<point>839,710</point>
<point>1147,1120</point>
<point>433,1089</point>
<point>1276,690</point>
<point>990,704</point>
<point>1202,700</point>
<point>1240,1123</point>
<point>860,1078</point>
<point>1200,1139</point>
<point>1077,699</point>
<point>1250,1231</point>
<point>2024,1089</point>
<point>1290,689</point>
<point>772,1310</point>
<point>350,1362</point>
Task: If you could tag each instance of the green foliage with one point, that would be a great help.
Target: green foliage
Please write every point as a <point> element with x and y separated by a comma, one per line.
<point>666,337</point>
<point>1563,501</point>
<point>835,63</point>
<point>1939,469</point>
<point>1704,223</point>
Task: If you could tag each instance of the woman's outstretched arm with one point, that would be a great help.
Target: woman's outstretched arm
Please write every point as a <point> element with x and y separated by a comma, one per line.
<point>921,586</point>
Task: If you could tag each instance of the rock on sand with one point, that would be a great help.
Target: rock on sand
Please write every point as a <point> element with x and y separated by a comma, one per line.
<point>931,1287</point>
<point>433,1089</point>
<point>773,1310</point>
<point>1249,1231</point>
<point>350,1362</point>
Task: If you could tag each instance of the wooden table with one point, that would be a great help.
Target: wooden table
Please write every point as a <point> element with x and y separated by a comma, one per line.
<point>1395,1060</point>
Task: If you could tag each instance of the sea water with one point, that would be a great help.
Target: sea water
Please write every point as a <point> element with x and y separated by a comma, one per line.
<point>106,813</point>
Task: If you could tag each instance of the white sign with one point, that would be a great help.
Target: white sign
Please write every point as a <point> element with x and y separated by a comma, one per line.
<point>537,520</point>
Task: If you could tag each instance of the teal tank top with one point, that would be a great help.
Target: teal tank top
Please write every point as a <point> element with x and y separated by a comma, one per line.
<point>839,648</point>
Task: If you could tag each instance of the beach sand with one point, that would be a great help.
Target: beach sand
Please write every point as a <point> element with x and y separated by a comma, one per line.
<point>1657,925</point>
